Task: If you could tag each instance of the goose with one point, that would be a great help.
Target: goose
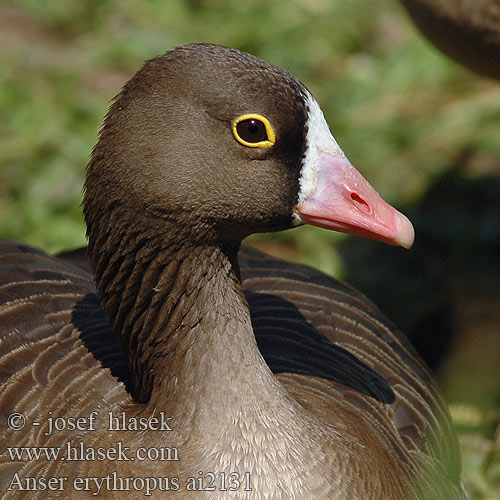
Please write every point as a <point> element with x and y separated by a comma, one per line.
<point>168,361</point>
<point>466,30</point>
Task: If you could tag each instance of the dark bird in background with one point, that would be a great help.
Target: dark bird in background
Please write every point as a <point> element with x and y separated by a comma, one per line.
<point>466,30</point>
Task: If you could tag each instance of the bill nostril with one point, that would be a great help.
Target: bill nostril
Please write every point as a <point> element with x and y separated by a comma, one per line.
<point>360,203</point>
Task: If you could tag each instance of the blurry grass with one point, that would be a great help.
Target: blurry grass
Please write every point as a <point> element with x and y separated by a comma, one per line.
<point>480,442</point>
<point>402,112</point>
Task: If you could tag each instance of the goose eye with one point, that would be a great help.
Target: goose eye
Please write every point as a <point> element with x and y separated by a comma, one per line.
<point>254,131</point>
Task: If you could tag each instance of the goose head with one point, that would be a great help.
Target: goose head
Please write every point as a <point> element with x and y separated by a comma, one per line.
<point>206,145</point>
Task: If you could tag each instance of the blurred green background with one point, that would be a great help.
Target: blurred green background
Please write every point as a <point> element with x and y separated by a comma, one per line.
<point>423,130</point>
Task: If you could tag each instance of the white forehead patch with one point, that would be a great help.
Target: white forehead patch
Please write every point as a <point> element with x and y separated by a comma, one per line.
<point>318,139</point>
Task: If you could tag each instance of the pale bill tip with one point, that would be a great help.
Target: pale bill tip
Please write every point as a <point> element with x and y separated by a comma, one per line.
<point>405,232</point>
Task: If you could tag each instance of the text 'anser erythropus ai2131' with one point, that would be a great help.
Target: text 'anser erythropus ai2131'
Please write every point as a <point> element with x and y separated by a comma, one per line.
<point>199,370</point>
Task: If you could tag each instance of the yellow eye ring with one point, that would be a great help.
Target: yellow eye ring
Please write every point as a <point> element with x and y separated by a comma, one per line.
<point>254,130</point>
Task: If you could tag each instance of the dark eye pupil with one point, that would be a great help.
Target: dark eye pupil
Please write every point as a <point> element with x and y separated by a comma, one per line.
<point>252,130</point>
